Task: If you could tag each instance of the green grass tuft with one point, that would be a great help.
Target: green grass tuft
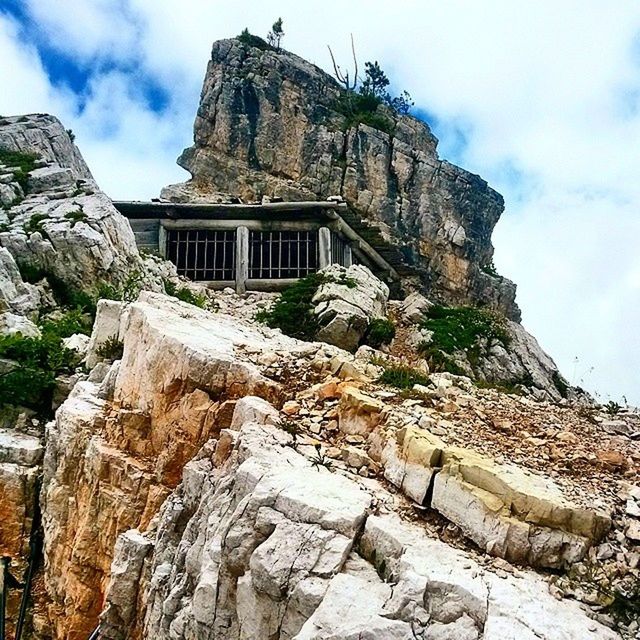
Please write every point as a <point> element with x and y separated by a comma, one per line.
<point>26,162</point>
<point>185,294</point>
<point>381,331</point>
<point>402,376</point>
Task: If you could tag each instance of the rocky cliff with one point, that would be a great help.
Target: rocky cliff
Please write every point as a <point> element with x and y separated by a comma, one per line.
<point>205,476</point>
<point>269,124</point>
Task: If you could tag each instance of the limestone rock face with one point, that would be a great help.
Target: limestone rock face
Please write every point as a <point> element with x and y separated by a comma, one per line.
<point>19,456</point>
<point>346,304</point>
<point>119,442</point>
<point>267,125</point>
<point>45,136</point>
<point>61,224</point>
<point>257,542</point>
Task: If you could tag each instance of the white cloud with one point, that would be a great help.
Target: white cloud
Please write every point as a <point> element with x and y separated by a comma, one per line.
<point>547,94</point>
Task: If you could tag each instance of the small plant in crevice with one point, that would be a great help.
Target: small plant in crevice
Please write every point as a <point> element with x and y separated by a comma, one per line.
<point>402,376</point>
<point>612,408</point>
<point>290,427</point>
<point>381,331</point>
<point>35,224</point>
<point>380,565</point>
<point>110,349</point>
<point>320,460</point>
<point>75,216</point>
<point>24,163</point>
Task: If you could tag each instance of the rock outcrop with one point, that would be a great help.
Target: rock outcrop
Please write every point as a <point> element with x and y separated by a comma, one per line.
<point>346,303</point>
<point>269,125</point>
<point>258,542</point>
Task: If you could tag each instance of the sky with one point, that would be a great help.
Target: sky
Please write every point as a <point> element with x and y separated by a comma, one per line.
<point>539,97</point>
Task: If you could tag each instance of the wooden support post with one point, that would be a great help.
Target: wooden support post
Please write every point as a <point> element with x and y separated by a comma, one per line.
<point>242,259</point>
<point>324,246</point>
<point>162,241</point>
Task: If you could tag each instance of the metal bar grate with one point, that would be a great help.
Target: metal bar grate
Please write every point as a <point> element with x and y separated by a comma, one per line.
<point>282,254</point>
<point>338,249</point>
<point>203,254</point>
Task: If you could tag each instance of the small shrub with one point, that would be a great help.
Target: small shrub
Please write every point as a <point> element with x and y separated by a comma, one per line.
<point>110,349</point>
<point>250,40</point>
<point>26,162</point>
<point>132,286</point>
<point>402,376</point>
<point>363,109</point>
<point>292,312</point>
<point>64,294</point>
<point>35,224</point>
<point>185,294</point>
<point>72,136</point>
<point>38,361</point>
<point>490,269</point>
<point>381,331</point>
<point>107,291</point>
<point>77,215</point>
<point>69,323</point>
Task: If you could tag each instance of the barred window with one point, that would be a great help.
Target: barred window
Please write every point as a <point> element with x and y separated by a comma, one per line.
<point>338,249</point>
<point>282,254</point>
<point>203,254</point>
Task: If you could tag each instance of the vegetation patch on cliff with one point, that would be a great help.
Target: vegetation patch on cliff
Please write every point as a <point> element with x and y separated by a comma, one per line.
<point>31,364</point>
<point>465,330</point>
<point>23,163</point>
<point>292,312</point>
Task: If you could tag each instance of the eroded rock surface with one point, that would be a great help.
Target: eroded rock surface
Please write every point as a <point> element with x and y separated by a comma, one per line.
<point>258,542</point>
<point>268,125</point>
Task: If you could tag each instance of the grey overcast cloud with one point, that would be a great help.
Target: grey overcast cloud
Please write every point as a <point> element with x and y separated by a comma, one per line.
<point>540,97</point>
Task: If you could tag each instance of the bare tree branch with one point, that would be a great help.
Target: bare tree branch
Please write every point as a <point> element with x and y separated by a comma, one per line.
<point>336,70</point>
<point>355,63</point>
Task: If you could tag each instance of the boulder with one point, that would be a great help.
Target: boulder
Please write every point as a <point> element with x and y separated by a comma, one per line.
<point>346,303</point>
<point>414,308</point>
<point>11,323</point>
